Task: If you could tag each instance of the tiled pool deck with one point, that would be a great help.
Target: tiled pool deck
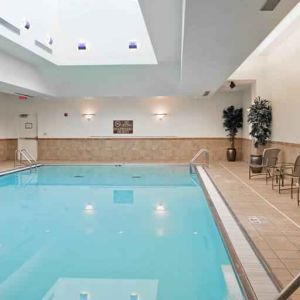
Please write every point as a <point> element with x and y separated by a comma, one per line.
<point>272,221</point>
<point>6,165</point>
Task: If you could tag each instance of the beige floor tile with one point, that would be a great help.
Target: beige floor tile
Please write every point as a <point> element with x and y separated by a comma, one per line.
<point>276,237</point>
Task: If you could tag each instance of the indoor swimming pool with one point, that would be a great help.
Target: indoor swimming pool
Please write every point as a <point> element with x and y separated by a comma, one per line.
<point>118,232</point>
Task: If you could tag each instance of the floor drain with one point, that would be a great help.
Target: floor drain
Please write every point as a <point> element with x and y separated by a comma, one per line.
<point>136,177</point>
<point>78,176</point>
<point>254,220</point>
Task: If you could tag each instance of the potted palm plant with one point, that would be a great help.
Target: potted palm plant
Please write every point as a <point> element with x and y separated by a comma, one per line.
<point>260,119</point>
<point>233,121</point>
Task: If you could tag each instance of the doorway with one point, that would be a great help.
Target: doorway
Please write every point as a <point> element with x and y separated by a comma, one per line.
<point>28,134</point>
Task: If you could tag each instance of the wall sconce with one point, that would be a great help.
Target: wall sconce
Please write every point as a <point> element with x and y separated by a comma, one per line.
<point>88,117</point>
<point>160,117</point>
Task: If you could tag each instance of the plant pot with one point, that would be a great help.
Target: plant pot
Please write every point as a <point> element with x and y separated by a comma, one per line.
<point>256,160</point>
<point>231,154</point>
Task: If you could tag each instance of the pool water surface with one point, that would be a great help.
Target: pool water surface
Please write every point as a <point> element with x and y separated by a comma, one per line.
<point>110,232</point>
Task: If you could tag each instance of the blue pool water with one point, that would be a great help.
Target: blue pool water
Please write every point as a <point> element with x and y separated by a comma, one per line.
<point>110,232</point>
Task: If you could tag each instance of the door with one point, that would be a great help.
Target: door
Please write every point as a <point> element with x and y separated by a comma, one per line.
<point>28,133</point>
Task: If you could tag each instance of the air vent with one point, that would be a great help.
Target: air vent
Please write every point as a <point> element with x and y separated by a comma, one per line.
<point>9,26</point>
<point>270,5</point>
<point>43,46</point>
<point>23,116</point>
<point>206,93</point>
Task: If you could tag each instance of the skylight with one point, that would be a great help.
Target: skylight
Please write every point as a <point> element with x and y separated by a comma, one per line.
<point>110,28</point>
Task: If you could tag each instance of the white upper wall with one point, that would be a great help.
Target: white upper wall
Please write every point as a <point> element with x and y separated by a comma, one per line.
<point>187,117</point>
<point>18,76</point>
<point>276,69</point>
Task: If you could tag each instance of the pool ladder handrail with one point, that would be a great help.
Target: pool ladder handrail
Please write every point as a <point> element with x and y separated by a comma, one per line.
<point>289,289</point>
<point>19,154</point>
<point>204,152</point>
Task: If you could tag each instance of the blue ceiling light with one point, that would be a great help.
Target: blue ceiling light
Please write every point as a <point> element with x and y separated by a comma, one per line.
<point>50,40</point>
<point>27,24</point>
<point>81,46</point>
<point>133,45</point>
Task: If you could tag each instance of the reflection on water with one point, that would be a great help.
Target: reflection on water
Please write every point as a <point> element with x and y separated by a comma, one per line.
<point>63,238</point>
<point>94,289</point>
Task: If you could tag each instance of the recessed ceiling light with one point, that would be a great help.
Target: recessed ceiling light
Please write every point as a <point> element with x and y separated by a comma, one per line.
<point>50,40</point>
<point>26,24</point>
<point>133,45</point>
<point>82,46</point>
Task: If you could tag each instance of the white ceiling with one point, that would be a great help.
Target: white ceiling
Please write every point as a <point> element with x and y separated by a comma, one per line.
<point>217,37</point>
<point>107,26</point>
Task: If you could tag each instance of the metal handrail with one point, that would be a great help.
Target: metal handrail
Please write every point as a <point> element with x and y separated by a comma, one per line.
<point>25,152</point>
<point>290,288</point>
<point>204,152</point>
<point>19,154</point>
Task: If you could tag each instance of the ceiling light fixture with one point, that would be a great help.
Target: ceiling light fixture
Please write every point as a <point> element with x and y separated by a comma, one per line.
<point>133,45</point>
<point>50,40</point>
<point>232,85</point>
<point>27,24</point>
<point>82,46</point>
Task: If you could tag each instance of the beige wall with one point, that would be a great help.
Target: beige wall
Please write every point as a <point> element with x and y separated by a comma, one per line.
<point>167,150</point>
<point>289,151</point>
<point>7,149</point>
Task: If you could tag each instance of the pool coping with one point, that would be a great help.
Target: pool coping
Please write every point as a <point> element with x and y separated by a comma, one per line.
<point>20,169</point>
<point>255,279</point>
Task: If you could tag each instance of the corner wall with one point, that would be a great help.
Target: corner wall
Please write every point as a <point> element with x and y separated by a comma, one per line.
<point>276,71</point>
